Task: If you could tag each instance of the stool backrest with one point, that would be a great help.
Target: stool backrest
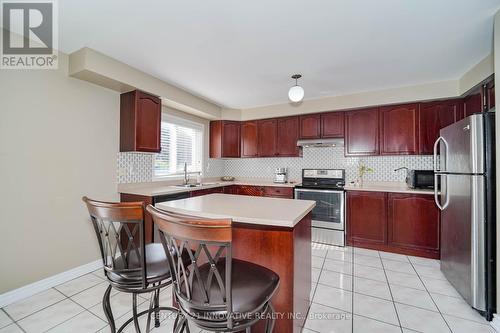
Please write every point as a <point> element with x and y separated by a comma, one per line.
<point>119,228</point>
<point>193,246</point>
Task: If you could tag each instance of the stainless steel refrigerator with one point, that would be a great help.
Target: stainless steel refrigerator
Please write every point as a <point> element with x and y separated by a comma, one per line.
<point>464,163</point>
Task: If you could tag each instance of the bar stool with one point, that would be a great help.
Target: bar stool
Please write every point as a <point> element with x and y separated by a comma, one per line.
<point>215,292</point>
<point>119,228</point>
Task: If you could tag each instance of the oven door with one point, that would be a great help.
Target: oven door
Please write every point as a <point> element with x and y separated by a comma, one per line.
<point>329,210</point>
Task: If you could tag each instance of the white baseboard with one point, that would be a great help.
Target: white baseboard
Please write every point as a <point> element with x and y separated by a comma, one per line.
<point>47,283</point>
<point>495,323</point>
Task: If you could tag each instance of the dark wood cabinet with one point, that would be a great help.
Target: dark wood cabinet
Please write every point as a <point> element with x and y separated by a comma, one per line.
<point>399,129</point>
<point>287,136</point>
<point>268,137</point>
<point>278,192</point>
<point>224,139</point>
<point>332,125</point>
<point>257,191</point>
<point>473,104</point>
<point>140,122</point>
<point>367,217</point>
<point>249,139</point>
<point>310,126</point>
<point>395,222</point>
<point>434,116</point>
<point>413,223</point>
<point>362,132</point>
<point>206,191</point>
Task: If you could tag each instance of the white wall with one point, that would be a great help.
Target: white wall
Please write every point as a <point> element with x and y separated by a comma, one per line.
<point>58,142</point>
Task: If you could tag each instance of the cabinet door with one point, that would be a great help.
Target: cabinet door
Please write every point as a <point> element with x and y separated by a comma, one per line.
<point>310,126</point>
<point>490,95</point>
<point>288,134</point>
<point>361,132</point>
<point>332,125</point>
<point>148,122</point>
<point>278,192</point>
<point>250,190</point>
<point>267,133</point>
<point>230,139</point>
<point>366,218</point>
<point>399,130</point>
<point>249,139</point>
<point>199,193</point>
<point>413,222</point>
<point>434,116</point>
<point>215,145</point>
<point>473,104</point>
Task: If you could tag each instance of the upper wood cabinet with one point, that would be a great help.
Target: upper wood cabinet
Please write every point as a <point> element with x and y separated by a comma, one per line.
<point>362,132</point>
<point>249,139</point>
<point>332,125</point>
<point>434,116</point>
<point>287,136</point>
<point>140,122</point>
<point>224,139</point>
<point>473,104</point>
<point>367,217</point>
<point>310,126</point>
<point>490,95</point>
<point>268,137</point>
<point>399,129</point>
<point>413,222</point>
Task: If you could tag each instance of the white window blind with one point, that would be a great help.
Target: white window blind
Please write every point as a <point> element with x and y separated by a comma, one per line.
<point>181,142</point>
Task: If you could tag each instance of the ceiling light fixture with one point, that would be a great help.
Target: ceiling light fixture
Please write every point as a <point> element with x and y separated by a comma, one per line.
<point>296,93</point>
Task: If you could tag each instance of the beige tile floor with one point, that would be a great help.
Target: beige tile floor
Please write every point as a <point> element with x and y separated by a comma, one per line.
<point>353,290</point>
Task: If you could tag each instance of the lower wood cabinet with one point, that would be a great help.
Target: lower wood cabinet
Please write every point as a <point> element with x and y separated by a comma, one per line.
<point>206,191</point>
<point>261,191</point>
<point>367,214</point>
<point>413,222</point>
<point>394,222</point>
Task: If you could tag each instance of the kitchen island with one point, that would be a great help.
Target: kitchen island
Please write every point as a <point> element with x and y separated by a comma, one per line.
<point>272,232</point>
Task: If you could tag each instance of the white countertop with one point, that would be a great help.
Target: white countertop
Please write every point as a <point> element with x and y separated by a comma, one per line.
<point>242,208</point>
<point>394,187</point>
<point>153,189</point>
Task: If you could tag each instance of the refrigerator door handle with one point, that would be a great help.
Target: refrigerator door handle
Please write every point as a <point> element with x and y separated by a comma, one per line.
<point>435,154</point>
<point>436,193</point>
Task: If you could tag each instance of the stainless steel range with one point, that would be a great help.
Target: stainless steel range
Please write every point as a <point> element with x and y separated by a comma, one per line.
<point>326,187</point>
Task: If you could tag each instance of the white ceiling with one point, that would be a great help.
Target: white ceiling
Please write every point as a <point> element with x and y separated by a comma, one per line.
<point>240,54</point>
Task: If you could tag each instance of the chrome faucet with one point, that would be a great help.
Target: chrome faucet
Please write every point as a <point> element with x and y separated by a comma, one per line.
<point>407,172</point>
<point>186,177</point>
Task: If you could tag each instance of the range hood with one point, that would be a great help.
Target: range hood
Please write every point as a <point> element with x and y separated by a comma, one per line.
<point>321,143</point>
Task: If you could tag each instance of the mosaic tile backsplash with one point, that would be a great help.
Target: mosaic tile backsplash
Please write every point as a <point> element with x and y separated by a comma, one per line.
<point>328,158</point>
<point>137,167</point>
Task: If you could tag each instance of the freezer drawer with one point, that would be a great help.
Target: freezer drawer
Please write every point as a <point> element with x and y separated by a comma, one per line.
<point>462,236</point>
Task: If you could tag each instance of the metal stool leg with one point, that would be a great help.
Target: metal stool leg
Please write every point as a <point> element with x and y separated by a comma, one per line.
<point>134,313</point>
<point>157,305</point>
<point>270,321</point>
<point>150,310</point>
<point>106,306</point>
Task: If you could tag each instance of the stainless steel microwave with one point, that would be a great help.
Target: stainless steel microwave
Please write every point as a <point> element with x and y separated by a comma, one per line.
<point>423,179</point>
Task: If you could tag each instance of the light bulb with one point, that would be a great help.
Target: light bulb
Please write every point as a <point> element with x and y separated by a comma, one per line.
<point>296,93</point>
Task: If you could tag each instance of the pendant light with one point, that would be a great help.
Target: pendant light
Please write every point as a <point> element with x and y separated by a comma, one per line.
<point>296,93</point>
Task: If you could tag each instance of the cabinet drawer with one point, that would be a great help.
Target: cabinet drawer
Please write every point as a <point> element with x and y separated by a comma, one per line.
<point>207,191</point>
<point>251,190</point>
<point>276,191</point>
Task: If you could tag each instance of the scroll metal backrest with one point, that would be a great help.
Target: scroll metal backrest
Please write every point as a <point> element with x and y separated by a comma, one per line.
<point>199,253</point>
<point>119,228</point>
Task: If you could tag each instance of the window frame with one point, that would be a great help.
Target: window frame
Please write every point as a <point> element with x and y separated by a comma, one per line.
<point>179,121</point>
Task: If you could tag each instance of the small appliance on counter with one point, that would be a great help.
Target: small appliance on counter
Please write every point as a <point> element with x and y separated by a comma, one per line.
<point>281,175</point>
<point>326,187</point>
<point>420,179</point>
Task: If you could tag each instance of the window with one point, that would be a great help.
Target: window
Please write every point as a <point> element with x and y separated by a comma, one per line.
<point>181,142</point>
